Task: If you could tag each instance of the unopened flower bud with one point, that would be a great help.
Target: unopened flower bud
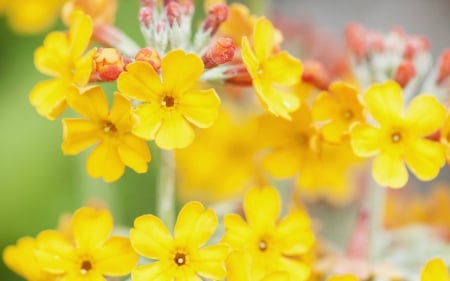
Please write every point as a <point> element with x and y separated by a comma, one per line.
<point>406,71</point>
<point>107,64</point>
<point>315,74</point>
<point>187,7</point>
<point>415,45</point>
<point>217,14</point>
<point>222,51</point>
<point>443,67</point>
<point>355,36</point>
<point>173,12</point>
<point>148,3</point>
<point>150,56</point>
<point>146,16</point>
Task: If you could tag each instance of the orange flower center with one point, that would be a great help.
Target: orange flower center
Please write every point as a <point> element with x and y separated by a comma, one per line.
<point>168,101</point>
<point>86,266</point>
<point>180,259</point>
<point>262,245</point>
<point>109,128</point>
<point>347,114</point>
<point>396,137</point>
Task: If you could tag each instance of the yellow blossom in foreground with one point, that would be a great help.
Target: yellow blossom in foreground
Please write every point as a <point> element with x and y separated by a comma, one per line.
<point>170,103</point>
<point>273,74</point>
<point>346,277</point>
<point>92,255</point>
<point>400,136</point>
<point>435,270</point>
<point>182,257</point>
<point>62,57</point>
<point>340,108</point>
<point>21,259</point>
<point>111,130</point>
<point>273,244</point>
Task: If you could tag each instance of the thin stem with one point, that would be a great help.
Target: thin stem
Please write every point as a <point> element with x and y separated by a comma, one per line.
<point>165,189</point>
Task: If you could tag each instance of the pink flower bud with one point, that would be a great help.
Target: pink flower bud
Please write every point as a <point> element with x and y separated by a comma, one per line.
<point>406,71</point>
<point>220,52</point>
<point>150,56</point>
<point>217,14</point>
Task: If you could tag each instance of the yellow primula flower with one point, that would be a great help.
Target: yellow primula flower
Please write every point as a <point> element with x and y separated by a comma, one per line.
<point>273,74</point>
<point>21,259</point>
<point>182,257</point>
<point>62,57</point>
<point>273,244</point>
<point>170,103</point>
<point>93,253</point>
<point>345,277</point>
<point>110,130</point>
<point>400,136</point>
<point>339,108</point>
<point>435,270</point>
<point>238,24</point>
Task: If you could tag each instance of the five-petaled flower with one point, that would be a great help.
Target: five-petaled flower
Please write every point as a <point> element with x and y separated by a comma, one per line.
<point>170,102</point>
<point>110,130</point>
<point>400,136</point>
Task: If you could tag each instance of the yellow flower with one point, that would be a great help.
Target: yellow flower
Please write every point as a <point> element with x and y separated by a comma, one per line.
<point>435,270</point>
<point>93,253</point>
<point>117,146</point>
<point>21,259</point>
<point>172,102</point>
<point>238,24</point>
<point>345,277</point>
<point>400,136</point>
<point>182,257</point>
<point>340,108</point>
<point>273,244</point>
<point>101,11</point>
<point>62,58</point>
<point>273,74</point>
<point>445,136</point>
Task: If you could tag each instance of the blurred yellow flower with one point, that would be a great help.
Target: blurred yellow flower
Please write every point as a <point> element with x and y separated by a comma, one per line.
<point>182,257</point>
<point>273,244</point>
<point>21,259</point>
<point>339,108</point>
<point>93,253</point>
<point>273,74</point>
<point>445,136</point>
<point>172,102</point>
<point>62,57</point>
<point>435,270</point>
<point>31,16</point>
<point>400,137</point>
<point>345,277</point>
<point>238,24</point>
<point>101,11</point>
<point>110,130</point>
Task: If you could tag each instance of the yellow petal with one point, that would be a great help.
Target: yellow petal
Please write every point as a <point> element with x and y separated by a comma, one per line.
<point>116,257</point>
<point>54,252</point>
<point>53,57</point>
<point>268,197</point>
<point>238,266</point>
<point>78,135</point>
<point>150,117</point>
<point>282,163</point>
<point>209,261</point>
<point>49,97</point>
<point>345,277</point>
<point>157,271</point>
<point>82,68</point>
<point>425,114</point>
<point>333,132</point>
<point>195,225</point>
<point>105,152</point>
<point>298,237</point>
<point>249,59</point>
<point>324,107</point>
<point>389,171</point>
<point>140,82</point>
<point>175,132</point>
<point>435,270</point>
<point>366,140</point>
<point>180,72</point>
<point>134,153</point>
<point>150,237</point>
<point>121,113</point>
<point>279,102</point>
<point>91,228</point>
<point>297,269</point>
<point>425,158</point>
<point>237,231</point>
<point>385,102</point>
<point>283,68</point>
<point>263,39</point>
<point>200,107</point>
<point>80,32</point>
<point>32,16</point>
<point>92,103</point>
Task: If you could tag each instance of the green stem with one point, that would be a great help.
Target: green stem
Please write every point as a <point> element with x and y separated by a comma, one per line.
<point>165,189</point>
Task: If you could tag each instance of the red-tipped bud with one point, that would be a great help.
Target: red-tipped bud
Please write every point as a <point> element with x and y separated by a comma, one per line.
<point>107,64</point>
<point>406,71</point>
<point>222,51</point>
<point>187,7</point>
<point>375,42</point>
<point>217,14</point>
<point>150,56</point>
<point>173,12</point>
<point>238,75</point>
<point>148,3</point>
<point>414,45</point>
<point>315,74</point>
<point>355,36</point>
<point>444,67</point>
<point>146,16</point>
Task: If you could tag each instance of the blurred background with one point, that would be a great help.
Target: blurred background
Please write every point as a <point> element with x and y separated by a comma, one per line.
<point>38,183</point>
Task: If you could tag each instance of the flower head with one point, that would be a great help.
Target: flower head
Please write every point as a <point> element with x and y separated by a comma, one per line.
<point>273,244</point>
<point>170,103</point>
<point>181,257</point>
<point>93,253</point>
<point>62,57</point>
<point>400,136</point>
<point>435,270</point>
<point>272,73</point>
<point>110,130</point>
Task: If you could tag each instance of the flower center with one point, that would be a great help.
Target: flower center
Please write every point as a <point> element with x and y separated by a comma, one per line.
<point>396,137</point>
<point>168,101</point>
<point>180,259</point>
<point>86,266</point>
<point>109,127</point>
<point>348,114</point>
<point>262,245</point>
